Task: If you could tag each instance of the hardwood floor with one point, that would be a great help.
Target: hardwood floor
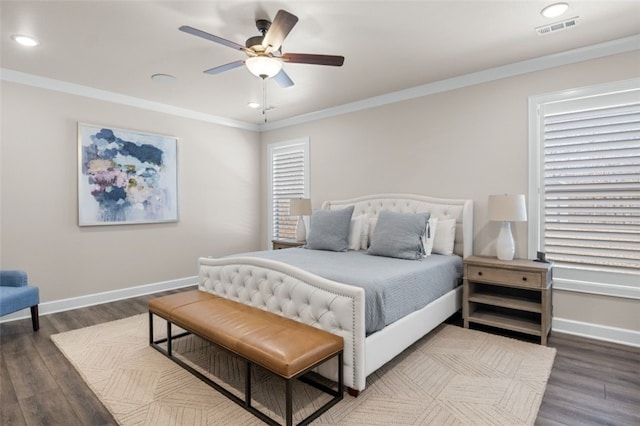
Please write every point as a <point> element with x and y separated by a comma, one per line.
<point>592,383</point>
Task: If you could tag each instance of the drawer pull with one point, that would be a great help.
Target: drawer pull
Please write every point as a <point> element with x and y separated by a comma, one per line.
<point>524,278</point>
<point>480,273</point>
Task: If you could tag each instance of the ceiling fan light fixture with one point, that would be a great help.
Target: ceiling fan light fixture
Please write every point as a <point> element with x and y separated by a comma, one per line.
<point>554,10</point>
<point>263,66</point>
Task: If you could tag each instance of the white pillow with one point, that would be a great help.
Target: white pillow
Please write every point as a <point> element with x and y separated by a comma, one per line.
<point>364,235</point>
<point>372,227</point>
<point>430,236</point>
<point>356,230</point>
<point>445,236</point>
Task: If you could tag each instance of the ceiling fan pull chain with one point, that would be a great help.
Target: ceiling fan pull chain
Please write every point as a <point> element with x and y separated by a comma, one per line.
<point>264,98</point>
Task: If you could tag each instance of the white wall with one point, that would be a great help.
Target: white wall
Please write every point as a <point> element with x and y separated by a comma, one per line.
<point>464,143</point>
<point>218,190</point>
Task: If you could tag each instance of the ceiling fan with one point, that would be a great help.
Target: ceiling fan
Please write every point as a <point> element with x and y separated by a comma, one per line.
<point>265,57</point>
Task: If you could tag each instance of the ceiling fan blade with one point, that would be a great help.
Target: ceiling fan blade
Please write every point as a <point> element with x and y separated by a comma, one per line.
<point>225,67</point>
<point>199,33</point>
<point>305,58</point>
<point>283,79</point>
<point>280,28</point>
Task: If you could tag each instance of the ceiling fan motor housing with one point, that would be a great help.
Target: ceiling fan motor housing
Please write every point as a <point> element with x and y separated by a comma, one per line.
<point>255,43</point>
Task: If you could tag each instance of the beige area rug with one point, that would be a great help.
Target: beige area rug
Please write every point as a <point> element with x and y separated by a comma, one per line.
<point>451,376</point>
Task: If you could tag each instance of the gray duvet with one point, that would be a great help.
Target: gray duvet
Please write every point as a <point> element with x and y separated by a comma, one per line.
<point>393,287</point>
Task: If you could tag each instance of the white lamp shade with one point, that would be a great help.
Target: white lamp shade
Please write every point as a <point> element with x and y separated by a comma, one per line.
<point>299,207</point>
<point>507,208</point>
<point>263,66</point>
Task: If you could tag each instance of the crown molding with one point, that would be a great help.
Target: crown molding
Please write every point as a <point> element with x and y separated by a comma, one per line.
<point>118,98</point>
<point>595,51</point>
<point>600,50</point>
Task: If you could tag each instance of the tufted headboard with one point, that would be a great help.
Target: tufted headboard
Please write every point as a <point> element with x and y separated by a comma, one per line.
<point>461,210</point>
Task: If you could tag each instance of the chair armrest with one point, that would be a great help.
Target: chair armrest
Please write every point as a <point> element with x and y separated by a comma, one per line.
<point>13,278</point>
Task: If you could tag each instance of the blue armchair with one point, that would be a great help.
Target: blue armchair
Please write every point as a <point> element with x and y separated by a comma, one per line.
<point>16,294</point>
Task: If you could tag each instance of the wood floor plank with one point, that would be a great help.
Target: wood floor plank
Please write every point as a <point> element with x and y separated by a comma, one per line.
<point>609,358</point>
<point>113,311</point>
<point>623,394</point>
<point>10,411</point>
<point>577,394</point>
<point>575,408</point>
<point>49,408</point>
<point>65,321</point>
<point>566,375</point>
<point>85,404</point>
<point>27,372</point>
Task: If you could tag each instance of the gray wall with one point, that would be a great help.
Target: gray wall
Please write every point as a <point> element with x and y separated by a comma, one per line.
<point>464,143</point>
<point>219,197</point>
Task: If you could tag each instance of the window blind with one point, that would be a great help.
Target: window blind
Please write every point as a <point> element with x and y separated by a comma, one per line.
<point>288,181</point>
<point>591,189</point>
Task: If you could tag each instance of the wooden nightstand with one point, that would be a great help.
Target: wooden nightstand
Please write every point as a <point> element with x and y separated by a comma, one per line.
<point>508,294</point>
<point>286,243</point>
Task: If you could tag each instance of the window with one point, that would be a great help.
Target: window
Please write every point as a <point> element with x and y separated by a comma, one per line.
<point>288,178</point>
<point>585,187</point>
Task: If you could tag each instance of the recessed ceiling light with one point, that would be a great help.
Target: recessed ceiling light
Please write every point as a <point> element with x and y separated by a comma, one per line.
<point>25,40</point>
<point>163,78</point>
<point>554,10</point>
<point>254,105</point>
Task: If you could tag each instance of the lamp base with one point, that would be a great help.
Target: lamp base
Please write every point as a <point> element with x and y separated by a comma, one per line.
<point>505,247</point>
<point>301,230</point>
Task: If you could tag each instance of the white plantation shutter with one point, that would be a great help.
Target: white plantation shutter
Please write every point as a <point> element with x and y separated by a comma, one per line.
<point>585,187</point>
<point>289,179</point>
<point>592,188</point>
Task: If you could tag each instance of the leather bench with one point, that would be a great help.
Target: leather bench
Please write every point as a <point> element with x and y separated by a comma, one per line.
<point>287,348</point>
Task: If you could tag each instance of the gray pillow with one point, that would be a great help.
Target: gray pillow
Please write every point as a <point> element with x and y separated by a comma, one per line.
<point>329,230</point>
<point>399,235</point>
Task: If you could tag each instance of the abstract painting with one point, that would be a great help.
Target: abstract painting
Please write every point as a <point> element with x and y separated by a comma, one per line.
<point>125,177</point>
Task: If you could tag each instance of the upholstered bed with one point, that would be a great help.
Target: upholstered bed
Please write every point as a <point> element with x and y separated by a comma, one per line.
<point>288,290</point>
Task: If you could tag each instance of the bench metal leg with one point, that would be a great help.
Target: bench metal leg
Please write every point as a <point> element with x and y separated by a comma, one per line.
<point>337,394</point>
<point>151,328</point>
<point>247,403</point>
<point>247,386</point>
<point>288,404</point>
<point>170,337</point>
<point>169,351</point>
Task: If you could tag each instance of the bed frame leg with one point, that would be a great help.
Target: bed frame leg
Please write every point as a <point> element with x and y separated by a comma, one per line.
<point>354,393</point>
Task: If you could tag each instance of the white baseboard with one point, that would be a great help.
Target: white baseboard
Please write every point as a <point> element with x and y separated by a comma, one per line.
<point>104,297</point>
<point>561,325</point>
<point>622,336</point>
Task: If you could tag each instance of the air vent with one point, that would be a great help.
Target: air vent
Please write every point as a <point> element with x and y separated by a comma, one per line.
<point>557,26</point>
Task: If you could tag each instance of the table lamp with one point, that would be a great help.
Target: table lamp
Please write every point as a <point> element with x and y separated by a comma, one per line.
<point>300,207</point>
<point>506,209</point>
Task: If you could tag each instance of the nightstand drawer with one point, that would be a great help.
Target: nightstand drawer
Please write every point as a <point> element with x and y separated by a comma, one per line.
<point>505,276</point>
<point>284,244</point>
